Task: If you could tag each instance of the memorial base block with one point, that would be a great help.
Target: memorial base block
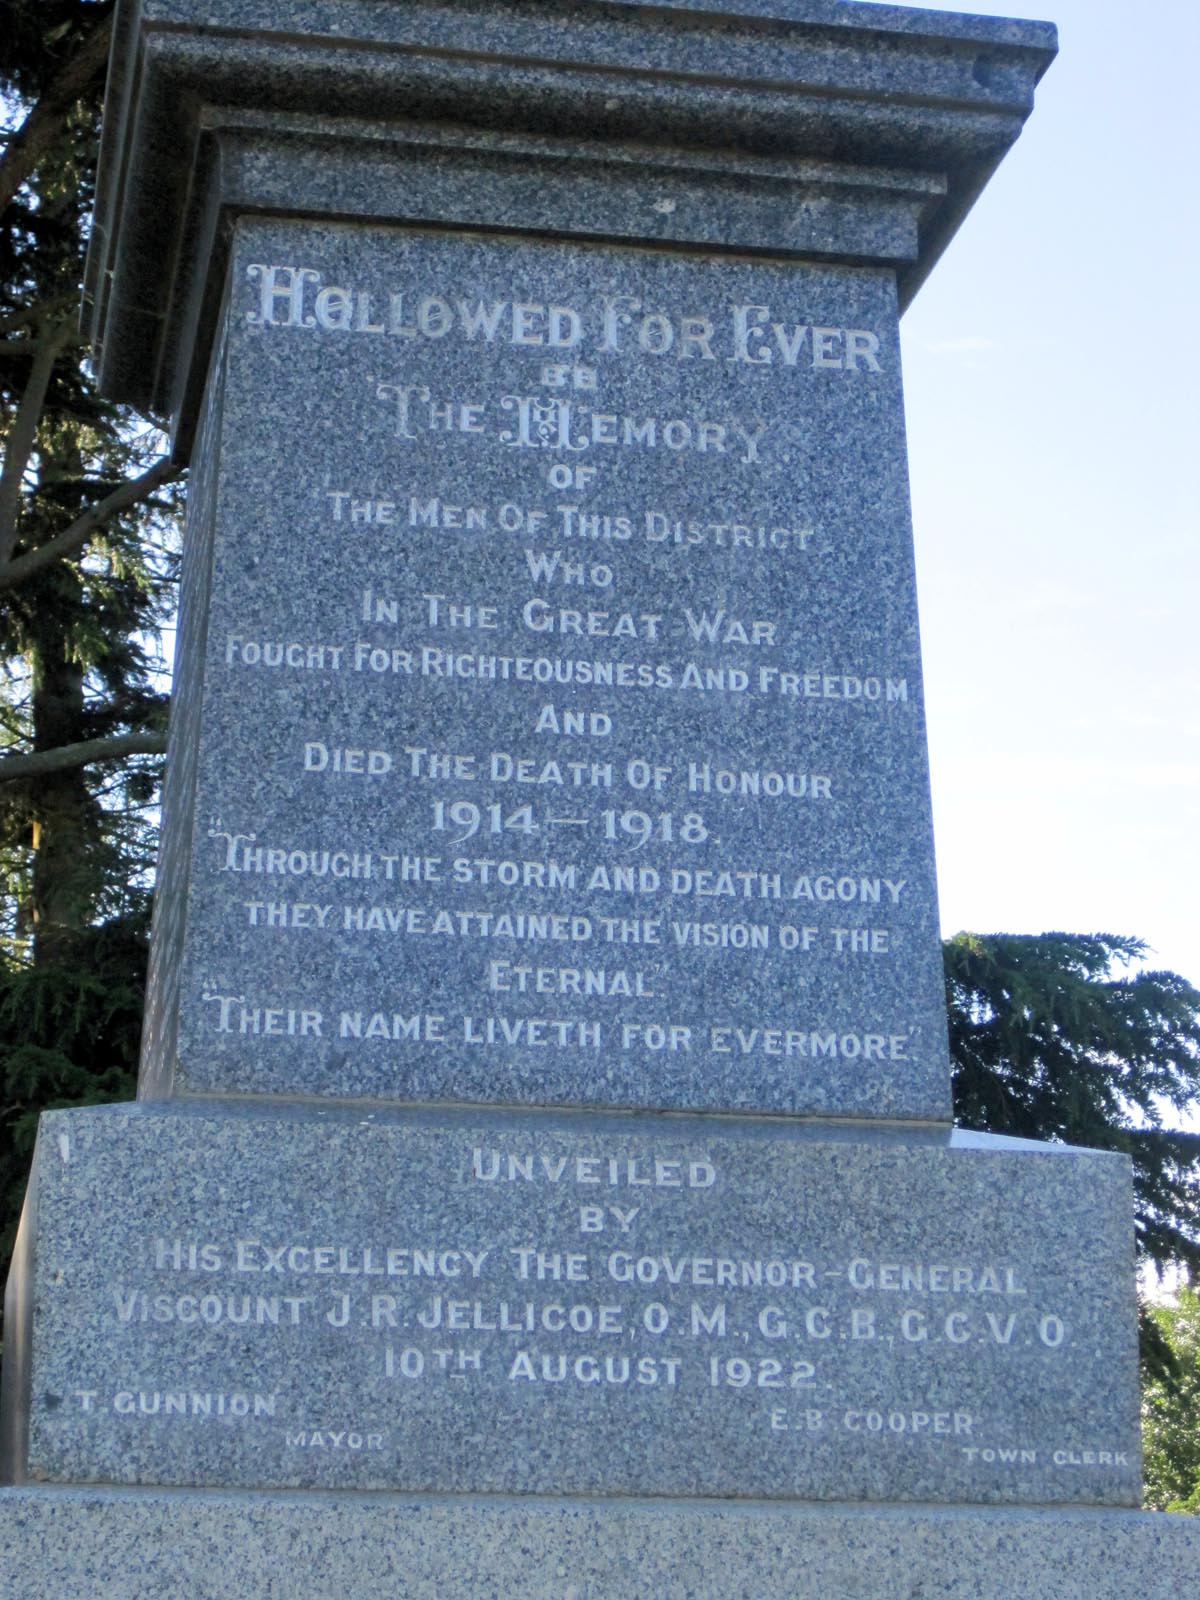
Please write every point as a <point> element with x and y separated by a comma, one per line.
<point>150,1546</point>
<point>484,1302</point>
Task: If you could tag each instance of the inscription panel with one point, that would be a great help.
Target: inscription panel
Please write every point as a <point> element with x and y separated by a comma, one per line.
<point>562,734</point>
<point>540,1305</point>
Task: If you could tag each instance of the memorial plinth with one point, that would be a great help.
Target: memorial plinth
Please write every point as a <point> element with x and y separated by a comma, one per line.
<point>543,1138</point>
<point>715,1307</point>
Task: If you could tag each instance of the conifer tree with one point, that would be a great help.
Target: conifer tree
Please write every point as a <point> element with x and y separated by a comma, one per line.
<point>86,537</point>
<point>1065,1036</point>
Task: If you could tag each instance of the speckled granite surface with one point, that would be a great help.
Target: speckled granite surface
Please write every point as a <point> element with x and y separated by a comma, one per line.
<point>581,1305</point>
<point>585,352</point>
<point>552,692</point>
<point>108,1545</point>
<point>820,129</point>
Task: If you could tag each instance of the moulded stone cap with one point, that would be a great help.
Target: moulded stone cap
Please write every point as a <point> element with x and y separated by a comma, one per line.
<point>820,129</point>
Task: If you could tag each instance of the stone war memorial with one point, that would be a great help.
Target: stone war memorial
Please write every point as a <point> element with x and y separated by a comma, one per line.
<point>542,1182</point>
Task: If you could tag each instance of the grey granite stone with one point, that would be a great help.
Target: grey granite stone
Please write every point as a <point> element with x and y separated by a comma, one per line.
<point>543,1304</point>
<point>549,732</point>
<point>114,1545</point>
<point>550,724</point>
<point>882,124</point>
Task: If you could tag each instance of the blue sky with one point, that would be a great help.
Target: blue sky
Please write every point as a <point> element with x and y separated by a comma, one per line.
<point>1052,363</point>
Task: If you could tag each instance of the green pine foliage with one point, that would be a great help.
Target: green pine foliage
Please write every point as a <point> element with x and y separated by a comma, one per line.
<point>1064,1036</point>
<point>1171,1411</point>
<point>80,624</point>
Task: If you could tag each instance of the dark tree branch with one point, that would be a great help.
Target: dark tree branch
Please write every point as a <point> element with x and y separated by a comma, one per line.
<point>41,127</point>
<point>37,313</point>
<point>70,539</point>
<point>22,436</point>
<point>87,753</point>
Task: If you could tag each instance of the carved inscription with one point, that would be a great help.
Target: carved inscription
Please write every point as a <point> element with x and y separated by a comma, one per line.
<point>754,1334</point>
<point>607,711</point>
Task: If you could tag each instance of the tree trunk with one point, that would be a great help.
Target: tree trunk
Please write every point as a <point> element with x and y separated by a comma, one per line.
<point>67,877</point>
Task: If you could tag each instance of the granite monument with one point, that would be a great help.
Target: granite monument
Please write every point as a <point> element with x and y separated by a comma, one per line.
<point>542,1175</point>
